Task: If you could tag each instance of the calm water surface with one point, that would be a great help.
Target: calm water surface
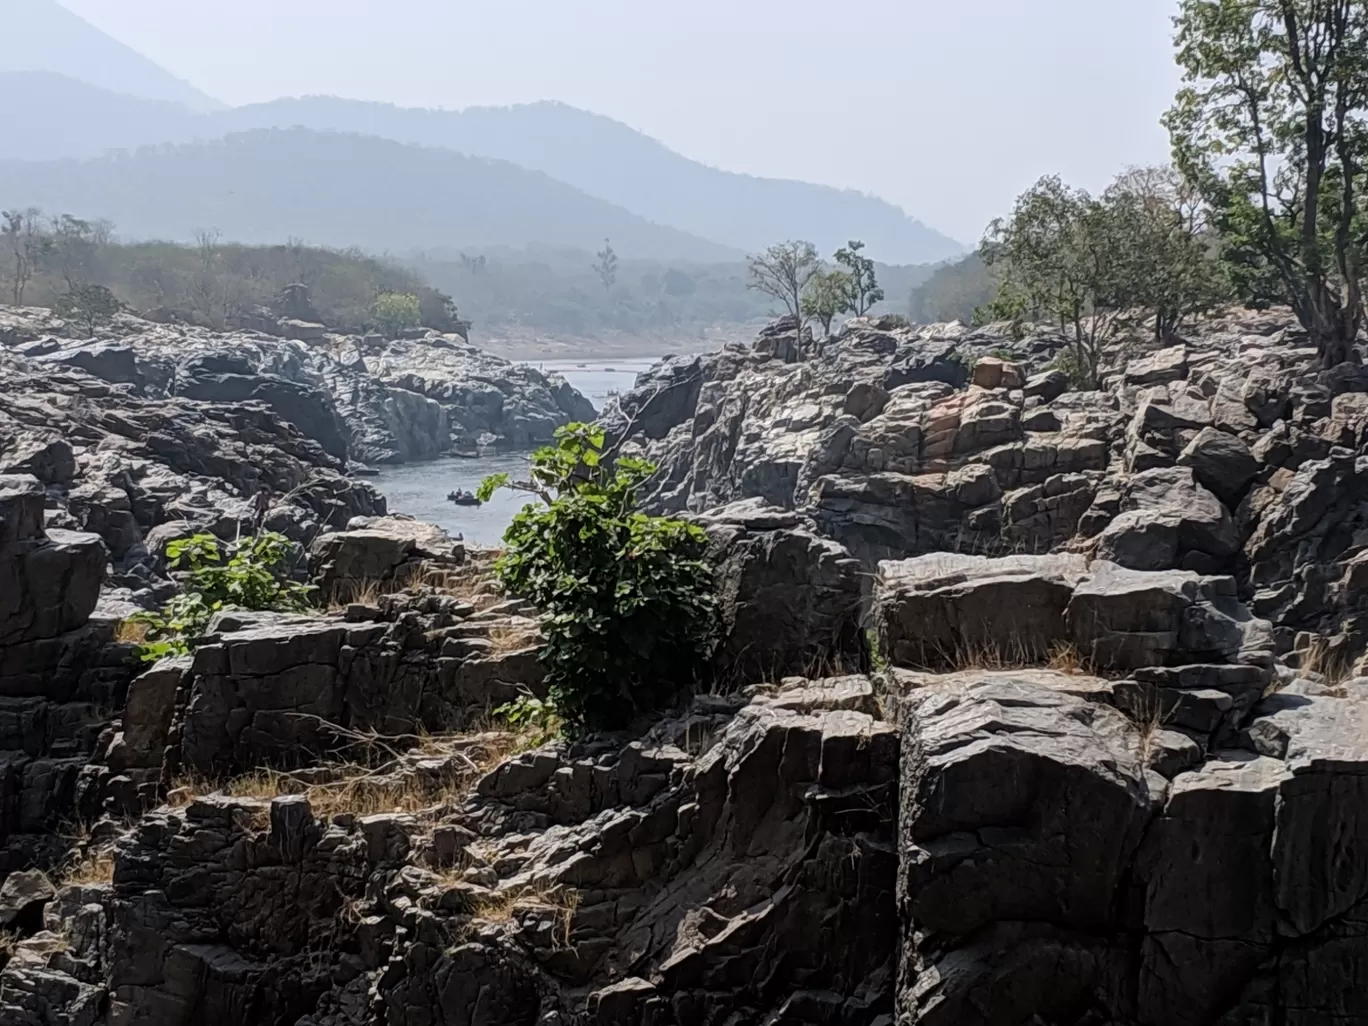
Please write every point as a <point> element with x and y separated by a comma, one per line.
<point>420,489</point>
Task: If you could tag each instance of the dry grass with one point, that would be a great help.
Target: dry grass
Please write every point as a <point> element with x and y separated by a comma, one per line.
<point>90,870</point>
<point>1149,717</point>
<point>1065,658</point>
<point>131,632</point>
<point>990,654</point>
<point>473,583</point>
<point>363,593</point>
<point>511,637</point>
<point>500,907</point>
<point>1331,662</point>
<point>395,785</point>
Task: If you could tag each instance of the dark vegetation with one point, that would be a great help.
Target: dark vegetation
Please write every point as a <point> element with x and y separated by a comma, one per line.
<point>626,599</point>
<point>77,267</point>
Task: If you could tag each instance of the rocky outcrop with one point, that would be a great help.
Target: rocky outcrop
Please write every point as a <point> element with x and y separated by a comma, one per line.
<point>61,672</point>
<point>1229,454</point>
<point>140,472</point>
<point>790,601</point>
<point>364,398</point>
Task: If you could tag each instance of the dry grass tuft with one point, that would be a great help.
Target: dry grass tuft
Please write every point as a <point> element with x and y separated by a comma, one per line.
<point>511,637</point>
<point>501,906</point>
<point>1149,717</point>
<point>92,869</point>
<point>474,582</point>
<point>396,784</point>
<point>1065,658</point>
<point>364,593</point>
<point>131,632</point>
<point>1322,657</point>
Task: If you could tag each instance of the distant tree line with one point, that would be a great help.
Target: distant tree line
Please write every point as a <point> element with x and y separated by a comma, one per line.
<point>78,268</point>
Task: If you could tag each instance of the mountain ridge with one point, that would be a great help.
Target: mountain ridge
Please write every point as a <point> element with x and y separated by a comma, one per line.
<point>53,38</point>
<point>340,190</point>
<point>62,117</point>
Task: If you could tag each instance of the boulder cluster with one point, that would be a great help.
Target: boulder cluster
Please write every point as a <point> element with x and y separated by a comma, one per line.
<point>1030,705</point>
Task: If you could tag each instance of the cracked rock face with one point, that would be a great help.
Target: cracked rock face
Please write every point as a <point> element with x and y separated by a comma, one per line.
<point>370,399</point>
<point>1228,454</point>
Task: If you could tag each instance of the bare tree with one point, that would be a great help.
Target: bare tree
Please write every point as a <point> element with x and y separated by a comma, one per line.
<point>27,243</point>
<point>208,291</point>
<point>784,271</point>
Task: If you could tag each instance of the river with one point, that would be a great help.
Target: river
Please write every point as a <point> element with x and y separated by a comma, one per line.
<point>420,489</point>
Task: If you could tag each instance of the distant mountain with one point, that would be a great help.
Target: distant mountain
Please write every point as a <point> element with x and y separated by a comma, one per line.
<point>46,117</point>
<point>42,35</point>
<point>338,190</point>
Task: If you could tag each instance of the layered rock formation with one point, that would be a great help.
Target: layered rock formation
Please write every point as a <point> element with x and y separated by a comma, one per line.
<point>1226,453</point>
<point>368,399</point>
<point>140,472</point>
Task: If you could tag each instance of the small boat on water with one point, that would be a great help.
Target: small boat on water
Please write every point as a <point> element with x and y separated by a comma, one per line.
<point>463,498</point>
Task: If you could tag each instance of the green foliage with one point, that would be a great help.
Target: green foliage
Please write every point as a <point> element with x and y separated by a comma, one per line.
<point>534,716</point>
<point>627,600</point>
<point>783,272</point>
<point>826,296</point>
<point>395,312</point>
<point>1269,129</point>
<point>862,284</point>
<point>91,305</point>
<point>210,283</point>
<point>1003,353</point>
<point>249,575</point>
<point>1096,266</point>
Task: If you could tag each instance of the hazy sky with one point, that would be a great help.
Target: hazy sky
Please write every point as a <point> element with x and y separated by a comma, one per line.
<point>946,107</point>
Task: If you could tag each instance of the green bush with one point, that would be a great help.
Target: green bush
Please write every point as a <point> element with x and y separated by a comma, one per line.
<point>627,599</point>
<point>251,577</point>
<point>395,312</point>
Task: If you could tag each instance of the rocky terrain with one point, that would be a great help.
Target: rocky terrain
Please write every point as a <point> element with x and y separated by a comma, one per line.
<point>1224,453</point>
<point>1032,706</point>
<point>367,399</point>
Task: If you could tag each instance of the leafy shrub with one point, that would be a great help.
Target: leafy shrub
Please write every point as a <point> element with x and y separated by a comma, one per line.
<point>535,717</point>
<point>395,312</point>
<point>627,602</point>
<point>251,577</point>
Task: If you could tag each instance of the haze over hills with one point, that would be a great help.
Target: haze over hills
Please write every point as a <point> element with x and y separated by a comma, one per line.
<point>42,35</point>
<point>49,116</point>
<point>339,190</point>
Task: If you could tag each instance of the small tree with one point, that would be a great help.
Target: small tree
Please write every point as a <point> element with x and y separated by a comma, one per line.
<point>394,312</point>
<point>249,575</point>
<point>606,268</point>
<point>1269,127</point>
<point>784,271</point>
<point>89,305</point>
<point>827,295</point>
<point>1162,246</point>
<point>862,284</point>
<point>627,600</point>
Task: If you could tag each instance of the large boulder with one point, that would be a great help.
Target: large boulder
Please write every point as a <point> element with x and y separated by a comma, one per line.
<point>49,580</point>
<point>947,609</point>
<point>379,553</point>
<point>790,600</point>
<point>1169,520</point>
